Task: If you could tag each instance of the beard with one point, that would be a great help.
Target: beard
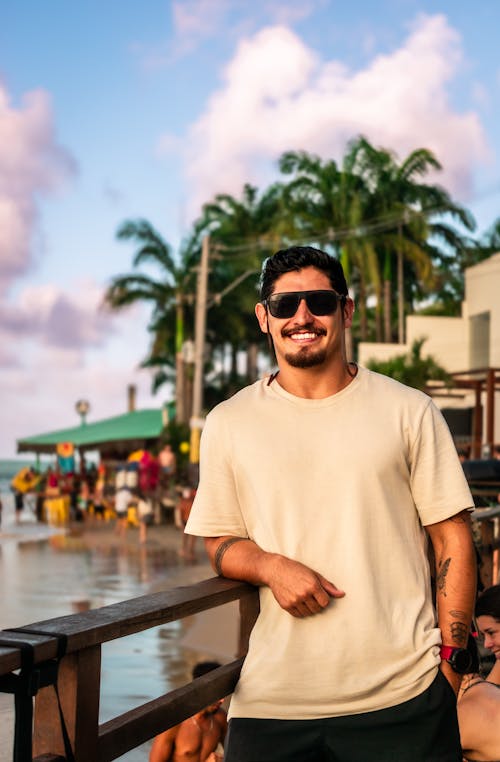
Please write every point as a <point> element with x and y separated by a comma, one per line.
<point>305,359</point>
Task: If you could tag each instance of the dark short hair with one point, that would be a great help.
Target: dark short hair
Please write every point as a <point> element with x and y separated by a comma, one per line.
<point>202,667</point>
<point>296,258</point>
<point>488,603</point>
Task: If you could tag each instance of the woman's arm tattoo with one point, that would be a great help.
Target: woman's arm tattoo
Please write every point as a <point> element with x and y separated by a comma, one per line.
<point>219,553</point>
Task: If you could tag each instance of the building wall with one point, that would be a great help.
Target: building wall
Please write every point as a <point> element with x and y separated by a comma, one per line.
<point>482,289</point>
<point>458,344</point>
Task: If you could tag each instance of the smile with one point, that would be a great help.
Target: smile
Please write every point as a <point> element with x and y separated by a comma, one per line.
<point>303,336</point>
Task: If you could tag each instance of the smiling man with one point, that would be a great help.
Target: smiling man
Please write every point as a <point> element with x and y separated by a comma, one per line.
<point>322,484</point>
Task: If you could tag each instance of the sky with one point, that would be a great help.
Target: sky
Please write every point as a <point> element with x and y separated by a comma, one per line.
<point>122,110</point>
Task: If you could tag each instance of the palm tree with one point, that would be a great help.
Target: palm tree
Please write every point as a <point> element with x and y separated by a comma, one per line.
<point>243,231</point>
<point>411,217</point>
<point>168,294</point>
<point>328,206</point>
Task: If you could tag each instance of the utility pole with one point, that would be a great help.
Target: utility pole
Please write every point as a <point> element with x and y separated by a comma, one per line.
<point>401,290</point>
<point>199,351</point>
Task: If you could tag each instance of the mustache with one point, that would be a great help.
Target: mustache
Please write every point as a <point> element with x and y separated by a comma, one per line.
<point>312,327</point>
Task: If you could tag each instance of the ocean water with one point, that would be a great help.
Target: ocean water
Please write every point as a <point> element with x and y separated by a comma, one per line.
<point>44,574</point>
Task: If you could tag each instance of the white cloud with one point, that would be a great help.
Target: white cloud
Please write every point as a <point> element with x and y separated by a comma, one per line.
<point>278,95</point>
<point>71,320</point>
<point>31,165</point>
<point>66,348</point>
<point>44,399</point>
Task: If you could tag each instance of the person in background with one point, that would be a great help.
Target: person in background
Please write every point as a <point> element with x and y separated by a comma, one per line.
<point>487,613</point>
<point>145,516</point>
<point>123,499</point>
<point>200,738</point>
<point>322,485</point>
<point>478,713</point>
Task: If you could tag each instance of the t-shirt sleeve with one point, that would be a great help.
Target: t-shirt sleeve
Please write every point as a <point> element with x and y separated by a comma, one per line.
<point>216,509</point>
<point>438,482</point>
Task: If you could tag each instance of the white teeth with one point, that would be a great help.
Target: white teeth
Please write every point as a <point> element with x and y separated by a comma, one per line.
<point>302,336</point>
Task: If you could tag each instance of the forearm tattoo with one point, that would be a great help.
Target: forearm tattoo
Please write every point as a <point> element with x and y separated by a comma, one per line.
<point>441,576</point>
<point>219,553</point>
<point>459,630</point>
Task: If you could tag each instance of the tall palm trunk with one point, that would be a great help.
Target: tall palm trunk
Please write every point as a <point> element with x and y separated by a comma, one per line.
<point>401,291</point>
<point>387,311</point>
<point>180,408</point>
<point>387,299</point>
<point>252,372</point>
<point>379,307</point>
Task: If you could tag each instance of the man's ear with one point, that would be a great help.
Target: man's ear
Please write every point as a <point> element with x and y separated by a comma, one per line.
<point>261,314</point>
<point>348,312</point>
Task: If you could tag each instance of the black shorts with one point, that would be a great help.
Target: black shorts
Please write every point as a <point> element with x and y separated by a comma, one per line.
<point>424,729</point>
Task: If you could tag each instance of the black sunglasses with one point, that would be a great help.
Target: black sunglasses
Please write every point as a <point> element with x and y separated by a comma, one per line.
<point>320,302</point>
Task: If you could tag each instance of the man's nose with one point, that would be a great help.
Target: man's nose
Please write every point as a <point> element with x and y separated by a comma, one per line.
<point>303,313</point>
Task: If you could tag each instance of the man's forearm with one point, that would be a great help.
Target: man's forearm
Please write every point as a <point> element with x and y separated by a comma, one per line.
<point>246,562</point>
<point>297,588</point>
<point>455,581</point>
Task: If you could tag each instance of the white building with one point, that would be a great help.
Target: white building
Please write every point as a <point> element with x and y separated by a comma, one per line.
<point>462,345</point>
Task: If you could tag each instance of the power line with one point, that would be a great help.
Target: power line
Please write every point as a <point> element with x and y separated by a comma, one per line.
<point>376,225</point>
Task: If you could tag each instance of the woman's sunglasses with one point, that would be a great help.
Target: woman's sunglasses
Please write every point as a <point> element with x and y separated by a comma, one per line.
<point>320,302</point>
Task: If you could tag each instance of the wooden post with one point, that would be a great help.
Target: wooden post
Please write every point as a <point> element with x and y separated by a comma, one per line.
<point>487,536</point>
<point>249,611</point>
<point>490,410</point>
<point>79,689</point>
<point>478,422</point>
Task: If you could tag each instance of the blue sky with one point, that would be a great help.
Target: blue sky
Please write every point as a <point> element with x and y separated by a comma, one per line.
<point>111,110</point>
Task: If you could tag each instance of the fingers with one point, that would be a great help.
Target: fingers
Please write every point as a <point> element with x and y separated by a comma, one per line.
<point>315,600</point>
<point>330,588</point>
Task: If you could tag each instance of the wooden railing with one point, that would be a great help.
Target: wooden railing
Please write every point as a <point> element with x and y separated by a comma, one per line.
<point>66,686</point>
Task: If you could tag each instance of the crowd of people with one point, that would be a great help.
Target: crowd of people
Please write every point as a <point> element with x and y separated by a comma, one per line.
<point>141,489</point>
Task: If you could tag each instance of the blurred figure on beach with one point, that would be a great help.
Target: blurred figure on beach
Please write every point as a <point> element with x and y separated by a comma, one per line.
<point>145,516</point>
<point>23,483</point>
<point>123,500</point>
<point>184,505</point>
<point>167,461</point>
<point>200,738</point>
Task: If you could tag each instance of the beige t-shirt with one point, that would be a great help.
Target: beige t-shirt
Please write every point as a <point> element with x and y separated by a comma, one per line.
<point>344,485</point>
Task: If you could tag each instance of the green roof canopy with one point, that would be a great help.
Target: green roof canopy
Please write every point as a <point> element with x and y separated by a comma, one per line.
<point>121,433</point>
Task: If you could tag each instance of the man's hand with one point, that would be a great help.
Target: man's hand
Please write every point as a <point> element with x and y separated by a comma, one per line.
<point>298,589</point>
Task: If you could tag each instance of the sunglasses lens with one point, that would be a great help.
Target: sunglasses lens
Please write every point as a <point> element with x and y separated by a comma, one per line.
<point>322,302</point>
<point>285,305</point>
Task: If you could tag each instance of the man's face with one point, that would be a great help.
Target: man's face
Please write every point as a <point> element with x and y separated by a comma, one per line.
<point>305,340</point>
